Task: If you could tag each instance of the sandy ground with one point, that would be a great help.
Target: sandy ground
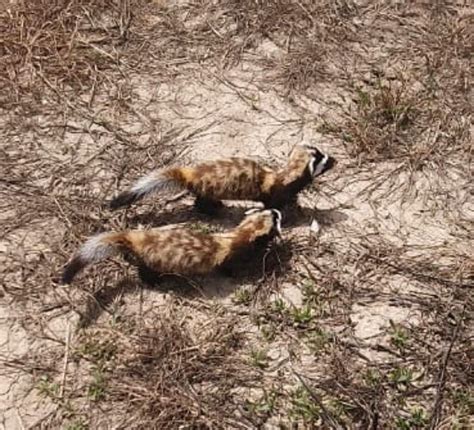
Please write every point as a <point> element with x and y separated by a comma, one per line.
<point>390,244</point>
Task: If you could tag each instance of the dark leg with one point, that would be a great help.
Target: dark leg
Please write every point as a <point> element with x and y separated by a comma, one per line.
<point>288,207</point>
<point>147,275</point>
<point>290,213</point>
<point>208,206</point>
<point>226,271</point>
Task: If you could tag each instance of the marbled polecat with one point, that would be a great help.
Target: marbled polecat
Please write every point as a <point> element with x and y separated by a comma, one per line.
<point>234,179</point>
<point>179,251</point>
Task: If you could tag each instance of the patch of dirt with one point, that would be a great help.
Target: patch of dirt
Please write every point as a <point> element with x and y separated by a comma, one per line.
<point>365,325</point>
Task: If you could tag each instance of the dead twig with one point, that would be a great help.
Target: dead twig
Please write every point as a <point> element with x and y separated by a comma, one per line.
<point>328,418</point>
<point>66,360</point>
<point>436,411</point>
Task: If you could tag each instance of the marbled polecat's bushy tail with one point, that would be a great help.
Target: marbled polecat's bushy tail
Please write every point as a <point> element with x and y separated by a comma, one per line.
<point>95,249</point>
<point>156,182</point>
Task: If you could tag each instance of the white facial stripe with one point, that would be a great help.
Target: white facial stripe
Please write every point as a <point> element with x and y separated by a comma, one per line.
<point>278,226</point>
<point>320,166</point>
<point>278,214</point>
<point>311,167</point>
<point>277,220</point>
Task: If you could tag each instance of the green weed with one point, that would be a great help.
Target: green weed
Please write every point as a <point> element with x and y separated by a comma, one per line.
<point>77,425</point>
<point>372,378</point>
<point>96,389</point>
<point>398,336</point>
<point>317,339</point>
<point>303,406</point>
<point>268,332</point>
<point>278,306</point>
<point>417,419</point>
<point>401,375</point>
<point>464,400</point>
<point>259,358</point>
<point>242,296</point>
<point>302,316</point>
<point>265,405</point>
<point>47,388</point>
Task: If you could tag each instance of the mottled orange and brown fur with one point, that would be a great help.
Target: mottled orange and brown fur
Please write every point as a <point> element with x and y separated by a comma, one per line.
<point>179,251</point>
<point>234,179</point>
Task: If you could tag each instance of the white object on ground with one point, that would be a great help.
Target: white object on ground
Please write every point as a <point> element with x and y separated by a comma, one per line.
<point>314,227</point>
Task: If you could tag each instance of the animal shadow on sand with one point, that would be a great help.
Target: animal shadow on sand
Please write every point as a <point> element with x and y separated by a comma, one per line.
<point>225,218</point>
<point>251,268</point>
<point>230,216</point>
<point>298,216</point>
<point>248,269</point>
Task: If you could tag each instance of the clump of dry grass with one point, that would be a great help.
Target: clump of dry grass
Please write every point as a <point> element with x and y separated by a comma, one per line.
<point>392,122</point>
<point>311,50</point>
<point>409,386</point>
<point>418,110</point>
<point>159,370</point>
<point>163,372</point>
<point>381,126</point>
<point>62,44</point>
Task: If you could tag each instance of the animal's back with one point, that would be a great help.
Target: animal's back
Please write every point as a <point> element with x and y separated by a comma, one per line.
<point>235,178</point>
<point>177,251</point>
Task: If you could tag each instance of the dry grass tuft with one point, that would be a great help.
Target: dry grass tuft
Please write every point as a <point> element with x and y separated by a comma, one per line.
<point>163,372</point>
<point>82,117</point>
<point>353,387</point>
<point>381,126</point>
<point>418,109</point>
<point>64,45</point>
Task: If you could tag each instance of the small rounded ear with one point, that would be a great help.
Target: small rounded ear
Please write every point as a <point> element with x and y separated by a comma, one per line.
<point>277,214</point>
<point>252,211</point>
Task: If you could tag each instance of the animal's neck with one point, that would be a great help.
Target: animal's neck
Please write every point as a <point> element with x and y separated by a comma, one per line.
<point>293,183</point>
<point>282,176</point>
<point>233,241</point>
<point>231,244</point>
<point>268,182</point>
<point>244,235</point>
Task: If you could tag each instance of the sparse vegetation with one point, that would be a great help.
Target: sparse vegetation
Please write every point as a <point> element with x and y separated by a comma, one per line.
<point>464,400</point>
<point>401,376</point>
<point>97,387</point>
<point>243,296</point>
<point>317,339</point>
<point>373,377</point>
<point>302,316</point>
<point>381,121</point>
<point>95,93</point>
<point>398,336</point>
<point>269,332</point>
<point>48,388</point>
<point>258,358</point>
<point>416,420</point>
<point>303,407</point>
<point>264,405</point>
<point>77,425</point>
<point>278,305</point>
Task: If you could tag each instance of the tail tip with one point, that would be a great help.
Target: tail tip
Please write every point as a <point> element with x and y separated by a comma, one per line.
<point>123,199</point>
<point>71,270</point>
